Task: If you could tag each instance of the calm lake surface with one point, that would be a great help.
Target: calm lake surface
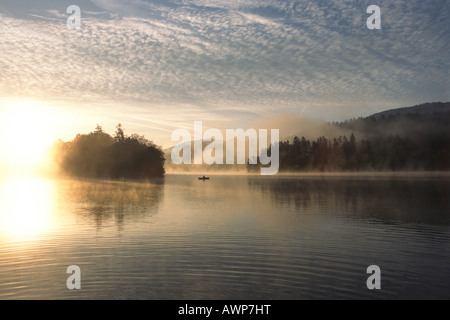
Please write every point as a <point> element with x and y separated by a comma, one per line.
<point>233,237</point>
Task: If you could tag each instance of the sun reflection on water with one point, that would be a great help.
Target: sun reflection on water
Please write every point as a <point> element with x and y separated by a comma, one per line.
<point>26,208</point>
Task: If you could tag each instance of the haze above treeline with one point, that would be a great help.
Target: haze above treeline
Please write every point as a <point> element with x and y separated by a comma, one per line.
<point>407,139</point>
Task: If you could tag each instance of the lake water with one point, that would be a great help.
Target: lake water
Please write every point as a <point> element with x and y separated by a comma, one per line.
<point>232,237</point>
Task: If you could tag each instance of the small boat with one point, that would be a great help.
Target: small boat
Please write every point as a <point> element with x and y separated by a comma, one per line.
<point>203,178</point>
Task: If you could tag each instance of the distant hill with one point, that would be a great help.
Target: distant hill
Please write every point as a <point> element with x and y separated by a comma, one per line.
<point>405,139</point>
<point>425,121</point>
<point>423,109</point>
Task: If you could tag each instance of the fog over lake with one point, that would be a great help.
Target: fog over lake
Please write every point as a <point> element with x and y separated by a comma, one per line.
<point>232,237</point>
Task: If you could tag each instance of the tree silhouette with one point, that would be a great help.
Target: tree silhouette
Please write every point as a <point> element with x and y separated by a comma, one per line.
<point>430,151</point>
<point>120,135</point>
<point>98,155</point>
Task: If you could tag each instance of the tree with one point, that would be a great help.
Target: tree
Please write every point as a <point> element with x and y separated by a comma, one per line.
<point>98,129</point>
<point>349,147</point>
<point>120,136</point>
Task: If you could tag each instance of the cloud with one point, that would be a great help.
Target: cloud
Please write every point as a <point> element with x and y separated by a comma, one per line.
<point>261,57</point>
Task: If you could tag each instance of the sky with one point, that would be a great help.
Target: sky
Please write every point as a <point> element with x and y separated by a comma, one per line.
<point>156,66</point>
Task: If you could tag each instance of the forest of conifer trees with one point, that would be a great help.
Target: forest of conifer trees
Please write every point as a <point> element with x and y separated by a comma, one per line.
<point>394,143</point>
<point>392,153</point>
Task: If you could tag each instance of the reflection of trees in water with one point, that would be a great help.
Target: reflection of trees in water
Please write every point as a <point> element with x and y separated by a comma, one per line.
<point>121,201</point>
<point>386,199</point>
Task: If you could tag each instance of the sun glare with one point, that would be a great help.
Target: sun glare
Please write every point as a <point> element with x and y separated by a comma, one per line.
<point>26,131</point>
<point>23,220</point>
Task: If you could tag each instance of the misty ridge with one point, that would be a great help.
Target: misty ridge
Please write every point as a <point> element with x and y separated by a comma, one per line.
<point>407,139</point>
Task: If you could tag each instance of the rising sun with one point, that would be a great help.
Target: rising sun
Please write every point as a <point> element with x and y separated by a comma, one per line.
<point>26,132</point>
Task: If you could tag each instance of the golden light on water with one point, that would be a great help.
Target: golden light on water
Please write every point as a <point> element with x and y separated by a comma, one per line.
<point>26,208</point>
